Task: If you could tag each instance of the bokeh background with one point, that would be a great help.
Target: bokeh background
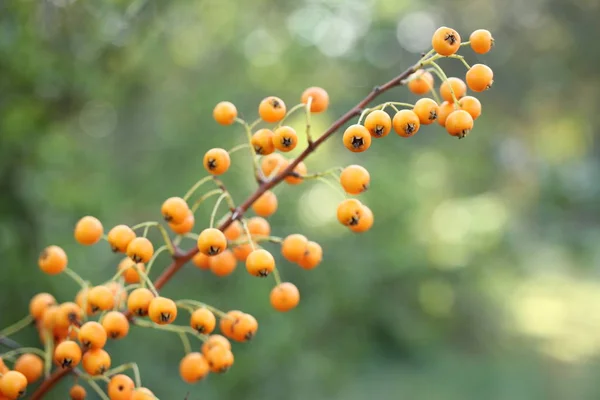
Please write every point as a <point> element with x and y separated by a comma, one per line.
<point>480,278</point>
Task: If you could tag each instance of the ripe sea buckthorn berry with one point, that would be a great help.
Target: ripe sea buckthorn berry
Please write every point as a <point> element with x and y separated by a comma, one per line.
<point>357,138</point>
<point>271,109</point>
<point>266,204</point>
<point>233,231</point>
<point>320,99</point>
<point>175,210</point>
<point>203,320</point>
<point>78,392</point>
<point>355,179</point>
<point>118,291</point>
<point>201,261</point>
<point>260,263</point>
<point>226,323</point>
<point>223,264</point>
<point>427,110</point>
<point>446,108</point>
<point>299,171</point>
<point>88,230</point>
<point>120,387</point>
<point>378,123</point>
<point>349,212</point>
<point>193,367</point>
<point>67,354</point>
<point>293,247</point>
<point>480,77</point>
<point>49,318</point>
<point>420,82</point>
<point>445,41</point>
<point>220,359</point>
<point>211,241</point>
<point>39,303</point>
<point>30,365</point>
<point>162,311</point>
<point>115,325</point>
<point>101,298</point>
<point>214,341</point>
<point>92,335</point>
<point>285,138</point>
<point>82,301</point>
<point>471,105</point>
<point>481,41</point>
<point>119,238</point>
<point>366,221</point>
<point>224,113</point>
<point>242,251</point>
<point>312,256</point>
<point>140,249</point>
<point>262,141</point>
<point>284,297</point>
<point>68,314</point>
<point>130,273</point>
<point>139,300</point>
<point>273,164</point>
<point>96,361</point>
<point>244,328</point>
<point>142,394</point>
<point>186,226</point>
<point>13,385</point>
<point>458,86</point>
<point>459,123</point>
<point>53,260</point>
<point>259,226</point>
<point>216,161</point>
<point>406,123</point>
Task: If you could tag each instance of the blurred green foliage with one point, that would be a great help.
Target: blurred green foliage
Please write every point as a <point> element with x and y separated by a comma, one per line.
<point>480,276</point>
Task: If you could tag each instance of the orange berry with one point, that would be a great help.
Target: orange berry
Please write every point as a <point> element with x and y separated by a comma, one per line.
<point>471,105</point>
<point>53,260</point>
<point>458,86</point>
<point>285,138</point>
<point>39,304</point>
<point>219,358</point>
<point>266,204</point>
<point>262,141</point>
<point>140,249</point>
<point>378,123</point>
<point>30,365</point>
<point>118,291</point>
<point>78,392</point>
<point>244,328</point>
<point>273,164</point>
<point>92,335</point>
<point>271,109</point>
<point>349,212</point>
<point>48,320</point>
<point>120,387</point>
<point>406,123</point>
<point>13,385</point>
<point>82,301</point>
<point>233,231</point>
<point>203,320</point>
<point>215,341</point>
<point>96,361</point>
<point>115,325</point>
<point>68,314</point>
<point>427,110</point>
<point>175,210</point>
<point>217,161</point>
<point>420,82</point>
<point>299,171</point>
<point>224,113</point>
<point>481,41</point>
<point>293,247</point>
<point>139,300</point>
<point>357,138</point>
<point>445,41</point>
<point>142,394</point>
<point>320,99</point>
<point>193,367</point>
<point>258,226</point>
<point>119,238</point>
<point>186,226</point>
<point>201,261</point>
<point>226,323</point>
<point>3,368</point>
<point>355,179</point>
<point>223,264</point>
<point>260,263</point>
<point>211,242</point>
<point>459,123</point>
<point>366,221</point>
<point>312,256</point>
<point>480,77</point>
<point>446,108</point>
<point>284,297</point>
<point>130,273</point>
<point>162,311</point>
<point>242,251</point>
<point>67,354</point>
<point>88,230</point>
<point>101,298</point>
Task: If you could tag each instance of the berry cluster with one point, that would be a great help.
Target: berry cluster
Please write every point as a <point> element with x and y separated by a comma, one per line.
<point>75,333</point>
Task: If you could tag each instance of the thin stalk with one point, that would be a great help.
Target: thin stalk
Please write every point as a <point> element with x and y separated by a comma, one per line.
<point>75,276</point>
<point>17,326</point>
<point>22,350</point>
<point>308,105</point>
<point>248,234</point>
<point>334,187</point>
<point>289,113</point>
<point>195,187</point>
<point>237,148</point>
<point>153,259</point>
<point>216,208</point>
<point>170,328</point>
<point>276,276</point>
<point>146,280</point>
<point>187,347</point>
<point>204,197</point>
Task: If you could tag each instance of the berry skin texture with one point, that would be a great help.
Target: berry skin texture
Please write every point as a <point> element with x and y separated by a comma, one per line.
<point>312,256</point>
<point>481,41</point>
<point>130,274</point>
<point>88,230</point>
<point>92,335</point>
<point>234,230</point>
<point>211,242</point>
<point>139,301</point>
<point>223,264</point>
<point>445,41</point>
<point>355,179</point>
<point>446,108</point>
<point>53,260</point>
<point>67,354</point>
<point>101,298</point>
<point>13,385</point>
<point>244,328</point>
<point>300,170</point>
<point>262,141</point>
<point>349,212</point>
<point>471,105</point>
<point>140,249</point>
<point>115,325</point>
<point>427,110</point>
<point>193,367</point>
<point>120,387</point>
<point>258,226</point>
<point>366,221</point>
<point>378,123</point>
<point>480,77</point>
<point>293,247</point>
<point>220,359</point>
<point>142,394</point>
<point>39,304</point>
<point>96,362</point>
<point>421,82</point>
<point>284,297</point>
<point>119,238</point>
<point>273,164</point>
<point>224,113</point>
<point>201,261</point>
<point>186,226</point>
<point>260,263</point>
<point>216,161</point>
<point>459,123</point>
<point>30,365</point>
<point>357,138</point>
<point>457,84</point>
<point>406,123</point>
<point>285,139</point>
<point>320,99</point>
<point>162,311</point>
<point>175,210</point>
<point>266,204</point>
<point>242,251</point>
<point>214,341</point>
<point>68,314</point>
<point>227,322</point>
<point>203,321</point>
<point>271,109</point>
<point>77,392</point>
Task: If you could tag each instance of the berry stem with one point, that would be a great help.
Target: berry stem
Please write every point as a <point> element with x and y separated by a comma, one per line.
<point>237,148</point>
<point>94,386</point>
<point>146,280</point>
<point>462,59</point>
<point>187,347</point>
<point>334,187</point>
<point>163,232</point>
<point>289,113</point>
<point>443,76</point>
<point>153,259</point>
<point>256,239</point>
<point>248,234</point>
<point>170,328</point>
<point>276,276</point>
<point>48,350</point>
<point>21,350</point>
<point>248,129</point>
<point>198,304</point>
<point>307,109</point>
<point>17,326</point>
<point>330,171</point>
<point>75,276</point>
<point>204,197</point>
<point>195,187</point>
<point>216,208</point>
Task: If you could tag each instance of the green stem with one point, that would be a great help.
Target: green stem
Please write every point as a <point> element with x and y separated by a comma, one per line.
<point>257,239</point>
<point>153,259</point>
<point>146,280</point>
<point>122,368</point>
<point>248,234</point>
<point>334,187</point>
<point>308,105</point>
<point>323,173</point>
<point>187,347</point>
<point>256,122</point>
<point>163,232</point>
<point>170,328</point>
<point>49,351</point>
<point>95,386</point>
<point>196,186</point>
<point>21,350</point>
<point>444,78</point>
<point>204,197</point>
<point>462,59</point>
<point>248,129</point>
<point>290,112</point>
<point>73,275</point>
<point>276,276</point>
<point>199,304</point>
<point>237,148</point>
<point>216,208</point>
<point>17,326</point>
